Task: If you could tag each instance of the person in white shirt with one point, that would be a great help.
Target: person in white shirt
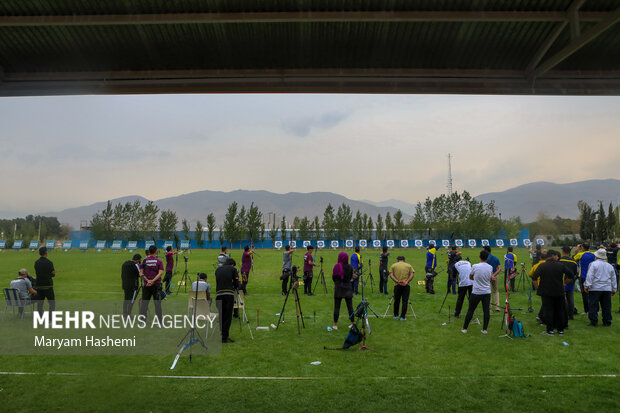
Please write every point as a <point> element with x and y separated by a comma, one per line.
<point>481,274</point>
<point>600,285</point>
<point>463,269</point>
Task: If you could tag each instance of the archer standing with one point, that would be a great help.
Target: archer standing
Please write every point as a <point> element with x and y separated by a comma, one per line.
<point>481,274</point>
<point>383,271</point>
<point>221,259</point>
<point>569,288</point>
<point>45,271</point>
<point>356,263</point>
<point>130,275</point>
<point>152,269</point>
<point>463,269</point>
<point>308,267</point>
<point>402,274</point>
<point>510,262</point>
<point>226,282</point>
<point>429,268</point>
<point>246,267</point>
<point>169,267</point>
<point>287,264</point>
<point>493,261</point>
<point>343,276</point>
<point>584,257</point>
<point>452,276</point>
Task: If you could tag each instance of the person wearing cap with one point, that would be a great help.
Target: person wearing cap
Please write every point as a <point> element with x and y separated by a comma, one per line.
<point>569,288</point>
<point>431,264</point>
<point>553,276</point>
<point>45,271</point>
<point>600,285</point>
<point>402,274</point>
<point>130,274</point>
<point>308,266</point>
<point>23,286</point>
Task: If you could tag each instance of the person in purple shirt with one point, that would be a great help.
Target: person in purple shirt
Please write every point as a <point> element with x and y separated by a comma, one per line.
<point>308,267</point>
<point>169,267</point>
<point>151,270</point>
<point>246,266</point>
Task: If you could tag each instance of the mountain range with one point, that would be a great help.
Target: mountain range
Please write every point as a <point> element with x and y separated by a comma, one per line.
<point>197,205</point>
<point>528,200</point>
<point>525,201</point>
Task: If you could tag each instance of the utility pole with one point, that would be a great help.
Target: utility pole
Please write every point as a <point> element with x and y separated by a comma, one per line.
<point>449,175</point>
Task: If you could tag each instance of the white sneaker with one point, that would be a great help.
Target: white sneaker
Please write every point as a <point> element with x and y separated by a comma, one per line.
<point>483,331</point>
<point>464,331</point>
<point>335,327</point>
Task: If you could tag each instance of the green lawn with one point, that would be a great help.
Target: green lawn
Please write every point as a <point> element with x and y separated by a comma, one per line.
<point>417,365</point>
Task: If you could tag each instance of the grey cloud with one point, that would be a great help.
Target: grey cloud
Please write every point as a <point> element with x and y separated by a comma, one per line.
<point>303,126</point>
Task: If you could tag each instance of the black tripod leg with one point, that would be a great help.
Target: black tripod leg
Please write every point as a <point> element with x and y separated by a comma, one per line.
<point>283,306</point>
<point>444,300</point>
<point>299,307</point>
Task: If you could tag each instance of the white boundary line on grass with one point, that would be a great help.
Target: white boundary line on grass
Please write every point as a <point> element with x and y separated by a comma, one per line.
<point>149,376</point>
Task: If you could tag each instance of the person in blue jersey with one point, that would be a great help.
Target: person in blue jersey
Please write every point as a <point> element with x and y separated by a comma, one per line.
<point>510,262</point>
<point>429,268</point>
<point>584,257</point>
<point>356,263</point>
<point>493,261</point>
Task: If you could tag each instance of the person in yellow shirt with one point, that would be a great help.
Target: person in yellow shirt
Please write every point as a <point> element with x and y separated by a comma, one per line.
<point>402,274</point>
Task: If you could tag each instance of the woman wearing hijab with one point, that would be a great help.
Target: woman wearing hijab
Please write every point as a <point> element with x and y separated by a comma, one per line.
<point>343,287</point>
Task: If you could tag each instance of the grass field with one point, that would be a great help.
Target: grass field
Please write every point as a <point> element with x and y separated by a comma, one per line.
<point>417,365</point>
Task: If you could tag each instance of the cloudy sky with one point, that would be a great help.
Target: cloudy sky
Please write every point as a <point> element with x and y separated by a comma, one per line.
<point>60,152</point>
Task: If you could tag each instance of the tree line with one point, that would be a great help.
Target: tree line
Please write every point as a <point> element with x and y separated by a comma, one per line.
<point>33,227</point>
<point>455,215</point>
<point>595,225</point>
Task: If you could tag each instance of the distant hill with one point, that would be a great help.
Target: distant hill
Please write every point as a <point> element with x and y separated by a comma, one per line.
<point>405,207</point>
<point>528,200</point>
<point>197,205</point>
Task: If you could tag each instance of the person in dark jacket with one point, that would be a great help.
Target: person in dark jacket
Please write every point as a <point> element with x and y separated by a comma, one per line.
<point>553,275</point>
<point>343,276</point>
<point>227,282</point>
<point>569,289</point>
<point>45,271</point>
<point>130,275</point>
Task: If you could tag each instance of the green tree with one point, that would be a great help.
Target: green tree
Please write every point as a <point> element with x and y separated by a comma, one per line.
<point>231,223</point>
<point>254,222</point>
<point>167,224</point>
<point>283,229</point>
<point>601,224</point>
<point>210,227</point>
<point>379,228</point>
<point>305,228</point>
<point>316,228</point>
<point>389,227</point>
<point>369,228</point>
<point>262,234</point>
<point>273,232</point>
<point>399,225</point>
<point>148,221</point>
<point>220,235</point>
<point>344,216</point>
<point>611,222</point>
<point>329,222</point>
<point>358,226</point>
<point>186,229</point>
<point>198,234</point>
<point>242,224</point>
<point>100,223</point>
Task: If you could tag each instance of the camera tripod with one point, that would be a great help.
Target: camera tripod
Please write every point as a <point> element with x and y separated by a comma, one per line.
<point>320,279</point>
<point>193,334</point>
<point>293,284</point>
<point>240,303</point>
<point>523,278</point>
<point>184,278</point>
<point>370,277</point>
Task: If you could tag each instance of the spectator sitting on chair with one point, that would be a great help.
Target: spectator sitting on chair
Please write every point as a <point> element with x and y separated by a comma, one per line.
<point>23,286</point>
<point>202,285</point>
